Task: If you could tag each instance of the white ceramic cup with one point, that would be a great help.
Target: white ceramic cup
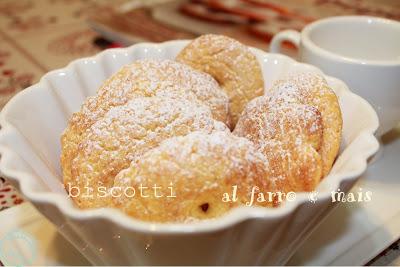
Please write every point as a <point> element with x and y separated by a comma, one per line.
<point>362,51</point>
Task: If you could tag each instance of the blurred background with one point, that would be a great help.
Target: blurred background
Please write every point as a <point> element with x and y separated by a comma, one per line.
<point>40,35</point>
<point>37,36</point>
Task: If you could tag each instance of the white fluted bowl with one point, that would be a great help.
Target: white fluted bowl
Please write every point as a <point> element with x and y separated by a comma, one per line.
<point>33,121</point>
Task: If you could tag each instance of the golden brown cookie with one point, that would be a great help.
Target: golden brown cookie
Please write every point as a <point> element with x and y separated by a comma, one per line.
<point>198,169</point>
<point>231,63</point>
<point>295,168</point>
<point>313,90</point>
<point>291,123</point>
<point>125,133</point>
<point>143,78</point>
<point>289,135</point>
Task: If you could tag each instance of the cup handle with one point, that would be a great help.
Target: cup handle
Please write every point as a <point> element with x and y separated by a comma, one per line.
<point>287,35</point>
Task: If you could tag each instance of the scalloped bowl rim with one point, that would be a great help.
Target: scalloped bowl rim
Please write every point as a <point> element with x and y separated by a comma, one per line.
<point>235,216</point>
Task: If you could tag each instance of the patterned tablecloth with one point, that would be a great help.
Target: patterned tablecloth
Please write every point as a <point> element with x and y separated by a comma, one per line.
<point>37,36</point>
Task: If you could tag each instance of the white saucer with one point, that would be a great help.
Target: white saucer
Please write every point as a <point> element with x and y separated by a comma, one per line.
<point>352,234</point>
<point>33,240</point>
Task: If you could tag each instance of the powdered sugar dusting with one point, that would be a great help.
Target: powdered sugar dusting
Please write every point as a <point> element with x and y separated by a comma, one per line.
<point>143,78</point>
<point>312,89</point>
<point>126,132</point>
<point>201,167</point>
<point>232,150</point>
<point>288,126</point>
<point>146,78</point>
<point>164,78</point>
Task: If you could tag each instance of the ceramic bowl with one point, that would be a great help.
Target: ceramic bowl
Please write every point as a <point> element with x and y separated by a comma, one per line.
<point>33,121</point>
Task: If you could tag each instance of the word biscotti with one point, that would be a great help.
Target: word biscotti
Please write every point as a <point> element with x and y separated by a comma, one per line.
<point>198,127</point>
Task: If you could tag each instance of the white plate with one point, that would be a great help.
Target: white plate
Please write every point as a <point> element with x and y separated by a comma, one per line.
<point>350,235</point>
<point>28,238</point>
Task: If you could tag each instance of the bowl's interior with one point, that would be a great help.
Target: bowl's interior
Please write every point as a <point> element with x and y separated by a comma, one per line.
<point>36,118</point>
